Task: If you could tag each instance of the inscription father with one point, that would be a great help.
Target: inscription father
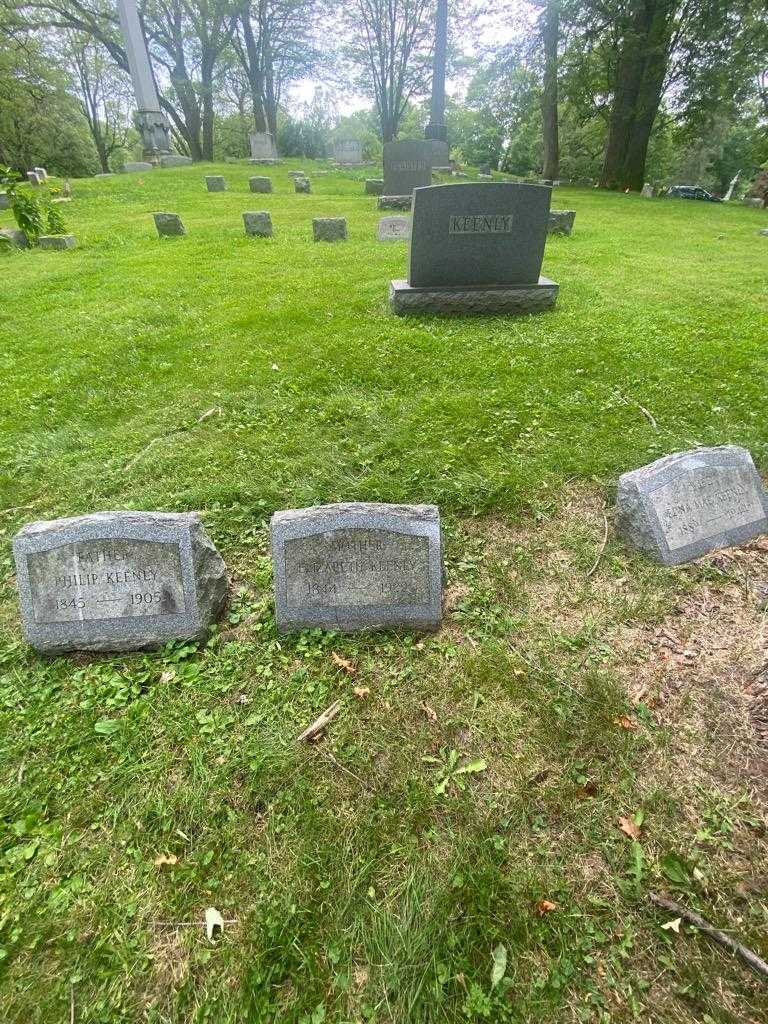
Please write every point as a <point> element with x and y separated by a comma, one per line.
<point>689,503</point>
<point>358,566</point>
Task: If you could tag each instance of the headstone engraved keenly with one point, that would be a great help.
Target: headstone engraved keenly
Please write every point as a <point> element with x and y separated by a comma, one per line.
<point>689,503</point>
<point>358,566</point>
<point>394,229</point>
<point>117,581</point>
<point>216,183</point>
<point>477,248</point>
<point>348,151</point>
<point>263,148</point>
<point>407,165</point>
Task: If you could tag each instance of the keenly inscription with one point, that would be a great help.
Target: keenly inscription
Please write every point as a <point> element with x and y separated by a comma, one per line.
<point>480,224</point>
<point>358,566</point>
<point>117,581</point>
<point>689,503</point>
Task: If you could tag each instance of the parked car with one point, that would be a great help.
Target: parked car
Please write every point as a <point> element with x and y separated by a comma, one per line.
<point>692,192</point>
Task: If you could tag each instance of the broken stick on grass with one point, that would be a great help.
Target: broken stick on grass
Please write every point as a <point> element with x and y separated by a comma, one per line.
<point>750,958</point>
<point>602,546</point>
<point>320,723</point>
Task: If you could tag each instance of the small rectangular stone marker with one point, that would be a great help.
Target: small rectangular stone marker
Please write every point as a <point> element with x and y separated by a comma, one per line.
<point>216,183</point>
<point>258,224</point>
<point>301,185</point>
<point>136,166</point>
<point>329,229</point>
<point>5,201</point>
<point>394,229</point>
<point>175,160</point>
<point>117,581</point>
<point>15,237</point>
<point>57,241</point>
<point>394,202</point>
<point>374,186</point>
<point>260,184</point>
<point>684,505</point>
<point>168,225</point>
<point>358,566</point>
<point>407,165</point>
<point>561,222</point>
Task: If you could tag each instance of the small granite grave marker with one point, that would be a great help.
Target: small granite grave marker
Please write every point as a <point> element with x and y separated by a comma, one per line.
<point>394,229</point>
<point>358,566</point>
<point>561,222</point>
<point>117,581</point>
<point>175,160</point>
<point>216,183</point>
<point>394,202</point>
<point>329,229</point>
<point>5,201</point>
<point>302,185</point>
<point>374,186</point>
<point>260,184</point>
<point>57,241</point>
<point>136,166</point>
<point>477,248</point>
<point>168,225</point>
<point>15,237</point>
<point>297,174</point>
<point>689,503</point>
<point>407,165</point>
<point>258,224</point>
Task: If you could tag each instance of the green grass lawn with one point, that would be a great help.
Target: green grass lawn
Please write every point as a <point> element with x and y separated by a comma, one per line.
<point>363,879</point>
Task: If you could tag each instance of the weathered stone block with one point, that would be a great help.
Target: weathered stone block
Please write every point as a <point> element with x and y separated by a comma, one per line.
<point>755,204</point>
<point>686,504</point>
<point>5,201</point>
<point>57,241</point>
<point>260,184</point>
<point>561,222</point>
<point>117,581</point>
<point>513,300</point>
<point>394,202</point>
<point>175,160</point>
<point>302,185</point>
<point>394,229</point>
<point>374,186</point>
<point>15,237</point>
<point>216,183</point>
<point>137,166</point>
<point>358,567</point>
<point>168,225</point>
<point>329,229</point>
<point>258,224</point>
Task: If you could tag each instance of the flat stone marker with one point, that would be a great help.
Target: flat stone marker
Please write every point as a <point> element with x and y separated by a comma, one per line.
<point>57,241</point>
<point>136,166</point>
<point>216,183</point>
<point>329,229</point>
<point>477,248</point>
<point>175,160</point>
<point>394,202</point>
<point>394,229</point>
<point>258,224</point>
<point>15,237</point>
<point>260,184</point>
<point>5,201</point>
<point>689,503</point>
<point>358,566</point>
<point>756,204</point>
<point>561,222</point>
<point>374,186</point>
<point>407,165</point>
<point>117,581</point>
<point>168,225</point>
<point>302,185</point>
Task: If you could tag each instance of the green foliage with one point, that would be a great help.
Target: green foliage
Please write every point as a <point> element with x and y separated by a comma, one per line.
<point>56,223</point>
<point>29,213</point>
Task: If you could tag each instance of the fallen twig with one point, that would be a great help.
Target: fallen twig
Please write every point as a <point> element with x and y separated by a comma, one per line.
<point>346,771</point>
<point>320,723</point>
<point>187,924</point>
<point>631,401</point>
<point>602,546</point>
<point>171,433</point>
<point>750,958</point>
<point>71,1003</point>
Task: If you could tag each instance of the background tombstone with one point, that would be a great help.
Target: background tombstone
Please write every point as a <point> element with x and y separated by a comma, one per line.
<point>16,237</point>
<point>260,184</point>
<point>348,151</point>
<point>647,191</point>
<point>394,229</point>
<point>216,183</point>
<point>136,166</point>
<point>301,185</point>
<point>374,186</point>
<point>117,581</point>
<point>407,165</point>
<point>258,224</point>
<point>394,202</point>
<point>175,160</point>
<point>33,178</point>
<point>5,201</point>
<point>684,505</point>
<point>263,148</point>
<point>329,229</point>
<point>561,222</point>
<point>358,566</point>
<point>477,248</point>
<point>168,225</point>
<point>41,173</point>
<point>57,241</point>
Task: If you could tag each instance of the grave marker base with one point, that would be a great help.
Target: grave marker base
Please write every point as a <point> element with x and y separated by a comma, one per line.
<point>511,299</point>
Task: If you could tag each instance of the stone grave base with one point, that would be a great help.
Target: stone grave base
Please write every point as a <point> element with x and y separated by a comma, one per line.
<point>512,299</point>
<point>394,202</point>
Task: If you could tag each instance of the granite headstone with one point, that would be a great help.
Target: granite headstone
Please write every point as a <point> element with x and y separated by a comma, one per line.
<point>168,225</point>
<point>258,224</point>
<point>374,186</point>
<point>358,566</point>
<point>136,166</point>
<point>260,184</point>
<point>684,505</point>
<point>348,151</point>
<point>216,183</point>
<point>263,148</point>
<point>5,201</point>
<point>175,160</point>
<point>302,185</point>
<point>407,165</point>
<point>57,241</point>
<point>329,229</point>
<point>117,581</point>
<point>15,237</point>
<point>561,222</point>
<point>394,229</point>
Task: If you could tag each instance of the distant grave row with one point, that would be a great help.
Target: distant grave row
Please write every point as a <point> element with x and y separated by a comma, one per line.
<point>118,581</point>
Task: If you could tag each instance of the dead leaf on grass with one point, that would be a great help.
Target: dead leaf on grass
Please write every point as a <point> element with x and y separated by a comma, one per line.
<point>673,926</point>
<point>165,858</point>
<point>630,828</point>
<point>361,692</point>
<point>431,715</point>
<point>348,666</point>
<point>624,722</point>
<point>545,907</point>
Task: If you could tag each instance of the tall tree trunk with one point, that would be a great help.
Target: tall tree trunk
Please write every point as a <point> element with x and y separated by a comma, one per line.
<point>206,83</point>
<point>549,126</point>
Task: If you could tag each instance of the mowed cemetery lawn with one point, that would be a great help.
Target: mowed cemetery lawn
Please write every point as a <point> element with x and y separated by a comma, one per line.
<point>505,793</point>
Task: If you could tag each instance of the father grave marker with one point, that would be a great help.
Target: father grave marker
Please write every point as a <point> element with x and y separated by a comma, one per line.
<point>407,165</point>
<point>358,566</point>
<point>117,581</point>
<point>394,229</point>
<point>684,505</point>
